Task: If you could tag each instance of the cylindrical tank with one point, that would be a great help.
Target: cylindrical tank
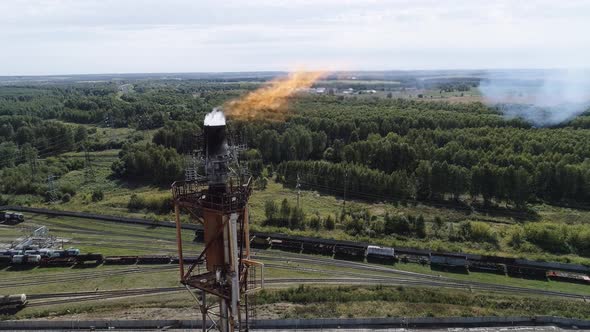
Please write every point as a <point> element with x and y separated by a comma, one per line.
<point>18,259</point>
<point>72,252</point>
<point>33,258</point>
<point>45,252</point>
<point>13,299</point>
<point>58,253</point>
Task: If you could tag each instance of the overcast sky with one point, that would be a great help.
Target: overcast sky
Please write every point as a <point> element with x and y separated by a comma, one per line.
<point>133,36</point>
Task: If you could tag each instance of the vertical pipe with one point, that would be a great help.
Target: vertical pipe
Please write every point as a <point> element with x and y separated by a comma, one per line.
<point>179,241</point>
<point>204,309</point>
<point>223,322</point>
<point>246,230</point>
<point>226,245</point>
<point>223,310</point>
<point>235,287</point>
<point>247,312</point>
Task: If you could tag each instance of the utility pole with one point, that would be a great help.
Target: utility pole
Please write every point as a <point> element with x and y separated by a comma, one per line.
<point>109,122</point>
<point>88,170</point>
<point>298,186</point>
<point>190,168</point>
<point>51,190</point>
<point>345,185</point>
<point>33,165</point>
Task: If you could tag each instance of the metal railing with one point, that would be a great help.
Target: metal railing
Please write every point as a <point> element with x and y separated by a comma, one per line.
<point>198,194</point>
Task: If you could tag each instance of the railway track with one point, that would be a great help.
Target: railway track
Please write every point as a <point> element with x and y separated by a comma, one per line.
<point>71,297</point>
<point>85,230</point>
<point>399,281</point>
<point>72,277</point>
<point>399,277</point>
<point>415,278</point>
<point>37,300</point>
<point>279,260</point>
<point>332,277</point>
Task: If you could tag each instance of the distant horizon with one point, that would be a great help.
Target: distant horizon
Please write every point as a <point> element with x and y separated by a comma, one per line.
<point>270,71</point>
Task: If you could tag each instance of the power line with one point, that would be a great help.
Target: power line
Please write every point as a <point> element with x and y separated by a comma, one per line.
<point>48,151</point>
<point>298,187</point>
<point>62,139</point>
<point>88,170</point>
<point>344,193</point>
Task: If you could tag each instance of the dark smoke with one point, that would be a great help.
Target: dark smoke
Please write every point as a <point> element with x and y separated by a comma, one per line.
<point>544,98</point>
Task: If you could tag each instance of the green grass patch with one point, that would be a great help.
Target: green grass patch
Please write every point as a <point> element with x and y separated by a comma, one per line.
<point>380,301</point>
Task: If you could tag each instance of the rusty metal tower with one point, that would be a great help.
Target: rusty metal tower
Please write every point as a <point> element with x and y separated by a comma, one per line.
<point>218,200</point>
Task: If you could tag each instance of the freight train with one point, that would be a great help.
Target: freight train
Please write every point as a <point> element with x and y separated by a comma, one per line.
<point>451,262</point>
<point>72,256</point>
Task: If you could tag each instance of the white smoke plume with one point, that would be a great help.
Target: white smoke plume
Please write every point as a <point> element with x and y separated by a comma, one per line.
<point>544,98</point>
<point>215,118</point>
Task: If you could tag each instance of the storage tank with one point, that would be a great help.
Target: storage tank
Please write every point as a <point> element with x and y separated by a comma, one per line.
<point>58,253</point>
<point>72,252</point>
<point>33,258</point>
<point>17,299</point>
<point>46,252</point>
<point>380,251</point>
<point>18,259</point>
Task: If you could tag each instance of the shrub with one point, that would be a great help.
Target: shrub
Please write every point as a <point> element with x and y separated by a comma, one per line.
<point>477,231</point>
<point>330,222</point>
<point>68,188</point>
<point>580,241</point>
<point>548,236</point>
<point>271,210</point>
<point>135,202</point>
<point>66,197</point>
<point>156,204</point>
<point>315,222</point>
<point>97,195</point>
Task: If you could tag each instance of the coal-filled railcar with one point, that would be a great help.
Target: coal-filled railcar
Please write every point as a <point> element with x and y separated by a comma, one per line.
<point>318,248</point>
<point>287,245</point>
<point>349,252</point>
<point>260,242</point>
<point>448,262</point>
<point>120,260</point>
<point>89,259</point>
<point>518,271</point>
<point>153,259</point>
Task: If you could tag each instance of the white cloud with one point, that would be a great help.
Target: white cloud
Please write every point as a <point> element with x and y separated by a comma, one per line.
<point>91,36</point>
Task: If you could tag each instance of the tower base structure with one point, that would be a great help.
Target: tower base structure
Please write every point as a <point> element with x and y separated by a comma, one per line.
<point>223,278</point>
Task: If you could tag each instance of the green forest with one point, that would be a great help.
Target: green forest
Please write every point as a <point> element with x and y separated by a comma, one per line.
<point>374,149</point>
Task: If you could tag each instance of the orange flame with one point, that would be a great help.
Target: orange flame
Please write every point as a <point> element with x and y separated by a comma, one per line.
<point>270,102</point>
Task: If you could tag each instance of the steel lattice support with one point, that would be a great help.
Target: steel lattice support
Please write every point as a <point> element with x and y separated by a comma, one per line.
<point>218,200</point>
<point>225,221</point>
